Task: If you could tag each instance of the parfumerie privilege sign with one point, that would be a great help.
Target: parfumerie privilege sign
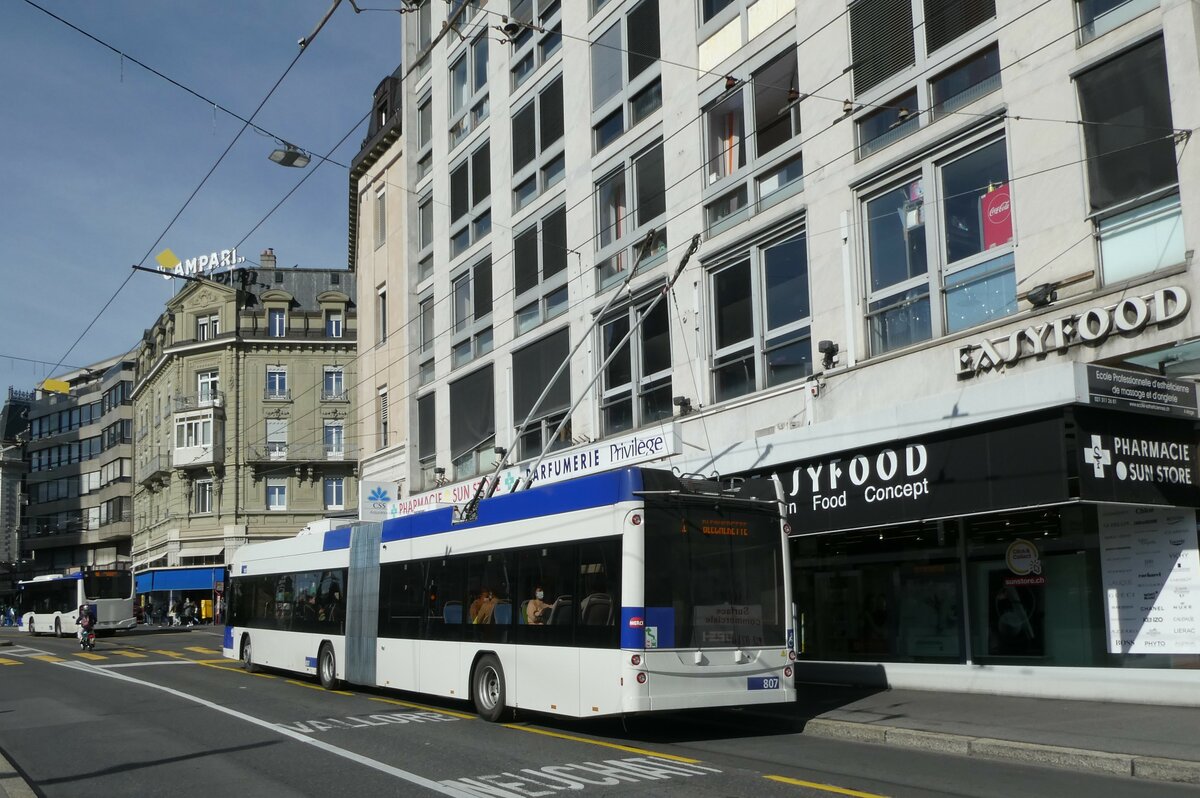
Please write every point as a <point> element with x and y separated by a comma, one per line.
<point>1129,316</point>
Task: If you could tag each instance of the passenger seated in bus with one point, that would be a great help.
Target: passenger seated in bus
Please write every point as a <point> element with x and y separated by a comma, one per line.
<point>483,607</point>
<point>536,609</point>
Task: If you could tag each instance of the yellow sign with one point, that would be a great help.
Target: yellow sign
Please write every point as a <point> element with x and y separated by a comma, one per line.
<point>56,386</point>
<point>167,259</point>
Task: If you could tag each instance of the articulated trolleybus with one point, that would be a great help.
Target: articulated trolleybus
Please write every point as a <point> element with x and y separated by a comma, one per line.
<point>623,592</point>
<point>51,603</point>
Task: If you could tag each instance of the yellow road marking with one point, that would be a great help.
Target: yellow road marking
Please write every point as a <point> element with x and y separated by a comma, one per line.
<point>9,662</point>
<point>165,652</point>
<point>411,705</point>
<point>316,687</point>
<point>130,654</point>
<point>228,662</point>
<point>629,748</point>
<point>203,650</point>
<point>825,787</point>
<point>89,655</point>
<point>48,658</point>
<point>232,669</point>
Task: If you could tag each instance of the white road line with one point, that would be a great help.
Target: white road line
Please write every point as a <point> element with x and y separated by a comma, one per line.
<point>412,778</point>
<point>144,664</point>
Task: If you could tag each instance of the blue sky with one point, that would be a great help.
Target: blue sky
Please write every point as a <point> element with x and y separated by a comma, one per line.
<point>98,156</point>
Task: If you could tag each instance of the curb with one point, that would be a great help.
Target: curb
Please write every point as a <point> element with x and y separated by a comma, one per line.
<point>12,784</point>
<point>1148,768</point>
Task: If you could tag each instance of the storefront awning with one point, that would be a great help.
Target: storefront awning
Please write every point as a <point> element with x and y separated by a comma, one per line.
<point>203,551</point>
<point>200,578</point>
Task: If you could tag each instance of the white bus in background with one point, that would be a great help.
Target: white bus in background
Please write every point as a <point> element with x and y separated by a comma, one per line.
<point>50,604</point>
<point>660,592</point>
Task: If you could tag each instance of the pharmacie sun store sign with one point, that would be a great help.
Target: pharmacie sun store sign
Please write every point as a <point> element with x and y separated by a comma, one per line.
<point>1131,316</point>
<point>201,265</point>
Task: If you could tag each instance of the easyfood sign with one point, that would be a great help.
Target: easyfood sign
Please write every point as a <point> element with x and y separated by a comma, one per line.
<point>1129,316</point>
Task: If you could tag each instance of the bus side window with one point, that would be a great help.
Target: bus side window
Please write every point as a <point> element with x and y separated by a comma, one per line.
<point>600,589</point>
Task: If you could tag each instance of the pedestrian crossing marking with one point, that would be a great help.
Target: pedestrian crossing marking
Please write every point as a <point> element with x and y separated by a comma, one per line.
<point>130,654</point>
<point>48,658</point>
<point>90,655</point>
<point>203,650</point>
<point>10,662</point>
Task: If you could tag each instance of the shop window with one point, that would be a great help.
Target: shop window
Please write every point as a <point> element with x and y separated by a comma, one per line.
<point>537,132</point>
<point>972,238</point>
<point>473,435</point>
<point>540,262</point>
<point>622,228</point>
<point>635,388</point>
<point>1133,182</point>
<point>532,368</point>
<point>470,200</point>
<point>1098,17</point>
<point>624,67</point>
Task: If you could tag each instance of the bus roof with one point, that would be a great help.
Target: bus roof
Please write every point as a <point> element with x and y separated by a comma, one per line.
<point>50,578</point>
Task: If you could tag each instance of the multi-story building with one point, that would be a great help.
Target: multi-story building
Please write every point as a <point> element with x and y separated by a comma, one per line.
<point>80,462</point>
<point>14,432</point>
<point>241,407</point>
<point>944,282</point>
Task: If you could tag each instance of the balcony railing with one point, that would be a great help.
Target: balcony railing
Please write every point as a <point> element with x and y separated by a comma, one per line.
<point>277,395</point>
<point>301,452</point>
<point>335,396</point>
<point>200,401</point>
<point>157,466</point>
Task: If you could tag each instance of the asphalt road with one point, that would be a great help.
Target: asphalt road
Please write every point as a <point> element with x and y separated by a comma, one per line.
<point>163,714</point>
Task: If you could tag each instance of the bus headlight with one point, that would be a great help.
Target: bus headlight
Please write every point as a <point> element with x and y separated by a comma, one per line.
<point>635,660</point>
<point>641,677</point>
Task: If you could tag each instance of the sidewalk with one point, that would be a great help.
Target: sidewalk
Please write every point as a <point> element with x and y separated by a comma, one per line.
<point>1159,743</point>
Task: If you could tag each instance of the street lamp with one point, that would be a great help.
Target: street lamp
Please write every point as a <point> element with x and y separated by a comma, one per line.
<point>289,155</point>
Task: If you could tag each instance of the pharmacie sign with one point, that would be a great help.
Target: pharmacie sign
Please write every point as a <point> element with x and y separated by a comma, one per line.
<point>1017,463</point>
<point>201,265</point>
<point>1136,459</point>
<point>600,456</point>
<point>1128,317</point>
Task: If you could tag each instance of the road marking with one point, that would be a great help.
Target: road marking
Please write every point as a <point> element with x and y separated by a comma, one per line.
<point>825,787</point>
<point>383,767</point>
<point>411,705</point>
<point>577,776</point>
<point>316,687</point>
<point>226,662</point>
<point>364,721</point>
<point>164,652</point>
<point>230,668</point>
<point>90,655</point>
<point>130,654</point>
<point>48,658</point>
<point>617,746</point>
<point>148,664</point>
<point>10,662</point>
<point>203,650</point>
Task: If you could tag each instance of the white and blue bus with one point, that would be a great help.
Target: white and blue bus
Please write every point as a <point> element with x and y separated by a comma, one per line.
<point>656,593</point>
<point>50,604</point>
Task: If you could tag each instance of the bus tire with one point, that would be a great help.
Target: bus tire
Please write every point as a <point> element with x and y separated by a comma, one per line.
<point>327,668</point>
<point>248,656</point>
<point>487,688</point>
<point>57,628</point>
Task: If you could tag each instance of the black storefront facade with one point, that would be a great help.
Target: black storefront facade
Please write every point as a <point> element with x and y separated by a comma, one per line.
<point>1048,553</point>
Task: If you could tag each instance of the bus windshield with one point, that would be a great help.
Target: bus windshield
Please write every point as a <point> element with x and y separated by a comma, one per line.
<point>108,585</point>
<point>714,576</point>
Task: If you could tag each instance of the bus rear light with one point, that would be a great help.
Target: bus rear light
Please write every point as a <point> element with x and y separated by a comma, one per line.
<point>787,672</point>
<point>635,660</point>
<point>635,519</point>
<point>641,677</point>
<point>792,656</point>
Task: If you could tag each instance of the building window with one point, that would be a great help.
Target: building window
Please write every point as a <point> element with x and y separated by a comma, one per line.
<point>540,263</point>
<point>473,434</point>
<point>626,86</point>
<point>470,200</point>
<point>965,82</point>
<point>622,227</point>
<point>710,8</point>
<point>208,326</point>
<point>424,133</point>
<point>277,323</point>
<point>1133,182</point>
<point>276,493</point>
<point>970,236</point>
<point>426,438</point>
<point>277,443</point>
<point>208,385</point>
<point>333,324</point>
<point>335,493</point>
<point>277,387</point>
<point>761,318</point>
<point>526,58</point>
<point>381,415</point>
<point>334,438</point>
<point>532,368</point>
<point>193,431</point>
<point>1098,17</point>
<point>381,319</point>
<point>380,218</point>
<point>427,334</point>
<point>471,292</point>
<point>202,497</point>
<point>537,133</point>
<point>333,388</point>
<point>468,90</point>
<point>635,388</point>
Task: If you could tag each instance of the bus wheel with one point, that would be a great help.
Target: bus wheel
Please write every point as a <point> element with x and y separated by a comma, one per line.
<point>248,657</point>
<point>327,668</point>
<point>57,628</point>
<point>487,688</point>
